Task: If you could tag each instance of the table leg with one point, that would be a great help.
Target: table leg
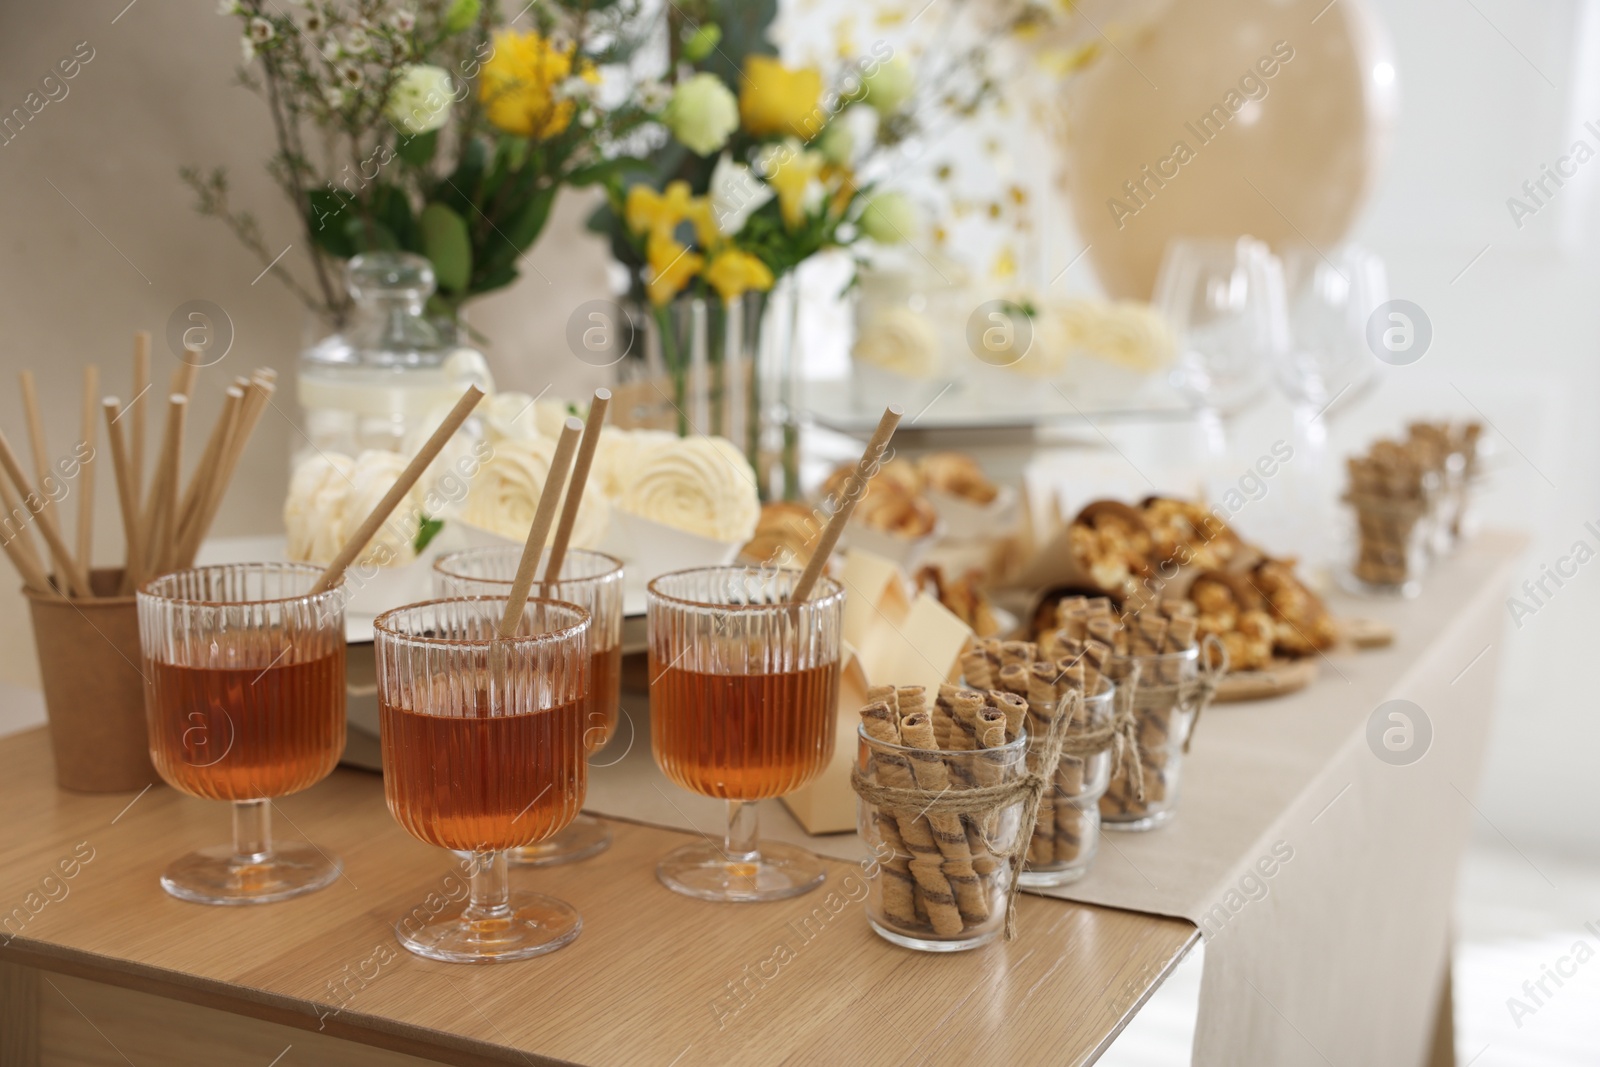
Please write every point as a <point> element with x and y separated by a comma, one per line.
<point>1444,1021</point>
<point>19,1015</point>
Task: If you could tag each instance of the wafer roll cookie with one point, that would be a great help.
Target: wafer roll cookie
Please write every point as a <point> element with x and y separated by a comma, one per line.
<point>880,723</point>
<point>1071,823</point>
<point>1013,678</point>
<point>1069,776</point>
<point>990,728</point>
<point>949,885</point>
<point>911,699</point>
<point>1016,652</point>
<point>945,727</point>
<point>1013,707</point>
<point>975,668</point>
<point>1181,634</point>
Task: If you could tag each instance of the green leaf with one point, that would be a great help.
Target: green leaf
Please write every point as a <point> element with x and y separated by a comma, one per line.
<point>606,170</point>
<point>497,277</point>
<point>462,14</point>
<point>517,236</point>
<point>427,529</point>
<point>418,150</point>
<point>329,215</point>
<point>392,211</point>
<point>447,245</point>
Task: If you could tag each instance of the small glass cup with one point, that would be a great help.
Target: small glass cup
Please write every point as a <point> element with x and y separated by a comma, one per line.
<point>244,698</point>
<point>1066,835</point>
<point>954,898</point>
<point>1389,546</point>
<point>1163,712</point>
<point>593,581</point>
<point>744,688</point>
<point>482,753</point>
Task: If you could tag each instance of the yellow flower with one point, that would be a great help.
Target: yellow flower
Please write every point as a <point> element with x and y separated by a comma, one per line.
<point>774,99</point>
<point>671,267</point>
<point>792,173</point>
<point>698,212</point>
<point>653,213</point>
<point>518,84</point>
<point>732,273</point>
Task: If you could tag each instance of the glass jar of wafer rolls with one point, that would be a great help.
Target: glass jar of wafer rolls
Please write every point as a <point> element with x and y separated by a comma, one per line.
<point>1066,833</point>
<point>1163,699</point>
<point>943,873</point>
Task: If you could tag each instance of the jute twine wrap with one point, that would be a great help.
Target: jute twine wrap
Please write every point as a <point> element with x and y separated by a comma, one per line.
<point>1028,790</point>
<point>1121,733</point>
<point>1194,695</point>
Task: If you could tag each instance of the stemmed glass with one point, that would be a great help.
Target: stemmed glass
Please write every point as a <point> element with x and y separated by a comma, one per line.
<point>244,698</point>
<point>482,753</point>
<point>1326,366</point>
<point>593,581</point>
<point>1225,303</point>
<point>744,686</point>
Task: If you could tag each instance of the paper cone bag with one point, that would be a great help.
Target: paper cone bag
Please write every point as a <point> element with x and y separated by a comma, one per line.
<point>89,662</point>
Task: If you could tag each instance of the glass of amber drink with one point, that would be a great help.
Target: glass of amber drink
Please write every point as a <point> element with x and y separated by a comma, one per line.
<point>244,699</point>
<point>593,581</point>
<point>744,686</point>
<point>483,753</point>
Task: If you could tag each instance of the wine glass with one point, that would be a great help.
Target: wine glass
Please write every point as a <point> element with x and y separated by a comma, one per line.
<point>744,687</point>
<point>244,698</point>
<point>593,581</point>
<point>483,753</point>
<point>1225,303</point>
<point>1326,366</point>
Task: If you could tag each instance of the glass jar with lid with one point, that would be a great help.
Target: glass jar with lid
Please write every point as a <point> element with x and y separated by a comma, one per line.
<point>391,373</point>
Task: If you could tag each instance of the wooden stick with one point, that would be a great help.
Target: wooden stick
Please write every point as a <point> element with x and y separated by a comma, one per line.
<point>402,485</point>
<point>186,372</point>
<point>17,515</point>
<point>33,575</point>
<point>161,509</point>
<point>543,516</point>
<point>854,489</point>
<point>141,382</point>
<point>580,478</point>
<point>206,469</point>
<point>256,396</point>
<point>91,387</point>
<point>122,467</point>
<point>41,468</point>
<point>77,584</point>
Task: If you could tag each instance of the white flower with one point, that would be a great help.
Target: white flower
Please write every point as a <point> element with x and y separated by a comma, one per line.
<point>228,7</point>
<point>588,120</point>
<point>350,74</point>
<point>356,42</point>
<point>420,99</point>
<point>890,85</point>
<point>404,21</point>
<point>898,339</point>
<point>333,95</point>
<point>652,95</point>
<point>315,23</point>
<point>736,194</point>
<point>561,41</point>
<point>890,218</point>
<point>575,88</point>
<point>702,113</point>
<point>838,142</point>
<point>261,31</point>
<point>247,48</point>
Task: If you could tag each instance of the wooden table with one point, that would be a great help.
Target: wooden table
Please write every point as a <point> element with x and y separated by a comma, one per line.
<point>103,967</point>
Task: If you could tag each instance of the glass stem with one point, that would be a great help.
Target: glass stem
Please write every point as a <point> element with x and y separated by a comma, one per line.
<point>252,831</point>
<point>490,888</point>
<point>743,824</point>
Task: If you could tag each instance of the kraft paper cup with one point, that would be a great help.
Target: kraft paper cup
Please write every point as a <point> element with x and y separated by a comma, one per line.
<point>89,662</point>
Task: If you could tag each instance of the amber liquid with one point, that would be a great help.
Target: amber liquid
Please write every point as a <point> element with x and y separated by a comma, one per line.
<point>481,782</point>
<point>246,733</point>
<point>605,697</point>
<point>742,736</point>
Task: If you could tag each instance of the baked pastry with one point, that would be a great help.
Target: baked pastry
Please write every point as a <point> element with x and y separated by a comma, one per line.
<point>957,474</point>
<point>786,533</point>
<point>895,512</point>
<point>1187,533</point>
<point>1230,608</point>
<point>963,596</point>
<point>1111,545</point>
<point>1302,624</point>
<point>899,474</point>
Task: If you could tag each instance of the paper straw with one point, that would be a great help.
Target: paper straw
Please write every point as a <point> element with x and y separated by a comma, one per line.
<point>580,478</point>
<point>543,516</point>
